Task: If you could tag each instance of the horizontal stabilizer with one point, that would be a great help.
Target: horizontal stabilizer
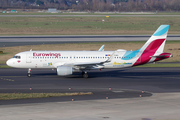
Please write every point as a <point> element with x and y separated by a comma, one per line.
<point>163,55</point>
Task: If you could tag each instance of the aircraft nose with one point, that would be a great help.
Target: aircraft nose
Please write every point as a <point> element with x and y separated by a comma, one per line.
<point>9,62</point>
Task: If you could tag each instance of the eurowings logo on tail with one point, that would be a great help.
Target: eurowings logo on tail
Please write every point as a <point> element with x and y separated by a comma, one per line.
<point>153,47</point>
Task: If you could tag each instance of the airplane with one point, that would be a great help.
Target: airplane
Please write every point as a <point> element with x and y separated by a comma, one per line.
<point>69,62</point>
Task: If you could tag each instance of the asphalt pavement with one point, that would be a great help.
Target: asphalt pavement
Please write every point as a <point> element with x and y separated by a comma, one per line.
<point>130,81</point>
<point>123,88</point>
<point>6,41</point>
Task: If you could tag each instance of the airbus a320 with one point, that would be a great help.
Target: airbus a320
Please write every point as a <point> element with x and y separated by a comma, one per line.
<point>68,62</point>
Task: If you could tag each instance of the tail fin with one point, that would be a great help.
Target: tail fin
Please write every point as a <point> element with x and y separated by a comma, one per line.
<point>157,41</point>
<point>154,46</point>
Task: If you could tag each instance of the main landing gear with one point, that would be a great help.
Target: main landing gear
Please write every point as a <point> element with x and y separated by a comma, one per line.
<point>84,74</point>
<point>29,72</point>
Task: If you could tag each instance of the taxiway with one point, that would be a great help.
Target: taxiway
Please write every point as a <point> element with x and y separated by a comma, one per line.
<point>6,41</point>
<point>163,83</point>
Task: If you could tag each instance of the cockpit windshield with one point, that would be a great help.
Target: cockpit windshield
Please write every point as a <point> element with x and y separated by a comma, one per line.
<point>17,57</point>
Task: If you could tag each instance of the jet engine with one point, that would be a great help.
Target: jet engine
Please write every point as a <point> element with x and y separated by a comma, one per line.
<point>64,70</point>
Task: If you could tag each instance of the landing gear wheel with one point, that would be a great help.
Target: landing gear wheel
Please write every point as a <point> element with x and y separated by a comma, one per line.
<point>85,75</point>
<point>29,74</point>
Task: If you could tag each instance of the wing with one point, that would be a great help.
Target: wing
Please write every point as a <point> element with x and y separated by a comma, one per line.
<point>89,65</point>
<point>86,65</point>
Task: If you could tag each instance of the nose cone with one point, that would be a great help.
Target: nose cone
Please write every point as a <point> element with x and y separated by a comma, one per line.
<point>9,62</point>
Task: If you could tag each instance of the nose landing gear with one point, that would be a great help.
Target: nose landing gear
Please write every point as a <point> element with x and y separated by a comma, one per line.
<point>29,72</point>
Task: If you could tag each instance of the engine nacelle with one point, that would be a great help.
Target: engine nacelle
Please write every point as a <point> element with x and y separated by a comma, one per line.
<point>64,70</point>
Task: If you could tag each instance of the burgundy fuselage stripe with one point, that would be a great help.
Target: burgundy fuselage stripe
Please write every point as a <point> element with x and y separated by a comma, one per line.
<point>149,51</point>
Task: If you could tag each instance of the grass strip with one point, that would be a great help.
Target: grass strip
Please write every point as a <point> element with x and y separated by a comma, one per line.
<point>13,96</point>
<point>9,52</point>
<point>4,66</point>
<point>82,25</point>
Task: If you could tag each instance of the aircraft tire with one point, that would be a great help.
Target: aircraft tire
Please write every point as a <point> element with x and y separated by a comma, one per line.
<point>85,75</point>
<point>29,74</point>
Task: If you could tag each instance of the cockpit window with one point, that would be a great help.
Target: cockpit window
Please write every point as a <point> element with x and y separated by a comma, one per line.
<point>17,57</point>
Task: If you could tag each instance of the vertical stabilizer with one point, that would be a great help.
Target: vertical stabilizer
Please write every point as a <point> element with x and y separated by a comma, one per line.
<point>157,40</point>
<point>154,46</point>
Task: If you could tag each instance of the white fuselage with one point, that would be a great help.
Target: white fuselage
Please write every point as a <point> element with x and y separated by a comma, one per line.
<point>52,59</point>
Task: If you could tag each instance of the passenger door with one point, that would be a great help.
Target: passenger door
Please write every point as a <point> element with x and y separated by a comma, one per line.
<point>28,58</point>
